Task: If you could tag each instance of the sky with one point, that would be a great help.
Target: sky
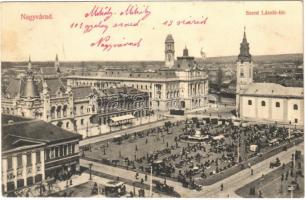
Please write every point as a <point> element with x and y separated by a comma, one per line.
<point>219,36</point>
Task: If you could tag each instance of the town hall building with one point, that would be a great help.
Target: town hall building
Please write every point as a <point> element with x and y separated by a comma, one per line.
<point>179,84</point>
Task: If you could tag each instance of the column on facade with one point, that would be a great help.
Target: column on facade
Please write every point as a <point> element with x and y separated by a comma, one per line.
<point>239,105</point>
<point>14,166</point>
<point>4,174</point>
<point>24,165</point>
<point>42,168</point>
<point>193,89</point>
<point>270,108</point>
<point>199,92</point>
<point>285,111</point>
<point>76,148</point>
<point>200,88</point>
<point>188,90</point>
<point>33,159</point>
<point>256,107</point>
<point>62,111</point>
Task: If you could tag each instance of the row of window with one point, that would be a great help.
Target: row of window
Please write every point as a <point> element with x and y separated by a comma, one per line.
<point>139,86</point>
<point>277,104</point>
<point>19,160</point>
<point>60,151</point>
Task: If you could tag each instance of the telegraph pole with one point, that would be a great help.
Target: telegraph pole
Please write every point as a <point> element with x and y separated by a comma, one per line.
<point>150,186</point>
<point>90,169</point>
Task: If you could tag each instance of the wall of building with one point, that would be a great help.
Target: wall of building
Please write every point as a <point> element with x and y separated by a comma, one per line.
<point>284,113</point>
<point>22,169</point>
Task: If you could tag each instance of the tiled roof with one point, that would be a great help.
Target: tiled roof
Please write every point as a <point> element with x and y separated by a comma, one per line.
<point>13,87</point>
<point>54,84</point>
<point>81,92</point>
<point>30,89</point>
<point>273,89</point>
<point>6,118</point>
<point>24,88</point>
<point>37,131</point>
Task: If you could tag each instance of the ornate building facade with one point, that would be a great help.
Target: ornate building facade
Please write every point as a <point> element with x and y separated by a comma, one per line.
<point>178,84</point>
<point>46,96</point>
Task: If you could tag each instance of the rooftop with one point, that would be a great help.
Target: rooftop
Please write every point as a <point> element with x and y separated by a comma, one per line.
<point>273,89</point>
<point>32,131</point>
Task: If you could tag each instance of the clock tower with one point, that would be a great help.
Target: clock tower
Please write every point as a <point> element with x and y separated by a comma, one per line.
<point>169,51</point>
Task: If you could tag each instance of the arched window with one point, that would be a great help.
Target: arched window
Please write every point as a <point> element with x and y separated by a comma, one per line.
<point>277,104</point>
<point>295,107</point>
<point>65,110</point>
<point>53,112</point>
<point>58,110</point>
<point>67,125</point>
<point>249,102</point>
<point>263,103</point>
<point>81,109</point>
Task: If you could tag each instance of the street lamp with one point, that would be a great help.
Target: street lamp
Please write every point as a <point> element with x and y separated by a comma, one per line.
<point>134,188</point>
<point>90,171</point>
<point>150,185</point>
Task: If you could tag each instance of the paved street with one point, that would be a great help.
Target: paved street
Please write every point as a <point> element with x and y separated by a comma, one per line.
<point>171,118</point>
<point>127,131</point>
<point>231,184</point>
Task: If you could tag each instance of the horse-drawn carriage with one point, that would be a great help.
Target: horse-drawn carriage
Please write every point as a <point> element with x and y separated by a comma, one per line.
<point>163,187</point>
<point>113,189</point>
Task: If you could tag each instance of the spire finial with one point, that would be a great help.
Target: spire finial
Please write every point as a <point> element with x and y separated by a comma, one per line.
<point>30,63</point>
<point>245,32</point>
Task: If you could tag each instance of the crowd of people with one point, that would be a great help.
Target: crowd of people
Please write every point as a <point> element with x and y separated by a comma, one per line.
<point>171,155</point>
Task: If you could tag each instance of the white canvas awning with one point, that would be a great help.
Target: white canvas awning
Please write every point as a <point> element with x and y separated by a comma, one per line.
<point>219,137</point>
<point>121,118</point>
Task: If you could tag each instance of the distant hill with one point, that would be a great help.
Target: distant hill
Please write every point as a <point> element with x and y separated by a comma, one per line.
<point>295,58</point>
<point>259,59</point>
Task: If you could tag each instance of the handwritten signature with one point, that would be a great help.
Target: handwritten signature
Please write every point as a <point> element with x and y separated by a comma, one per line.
<point>104,43</point>
<point>101,18</point>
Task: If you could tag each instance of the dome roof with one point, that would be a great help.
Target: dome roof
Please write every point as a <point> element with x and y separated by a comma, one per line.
<point>30,89</point>
<point>169,38</point>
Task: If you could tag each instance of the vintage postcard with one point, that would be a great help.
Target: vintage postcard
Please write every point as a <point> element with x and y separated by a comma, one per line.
<point>159,99</point>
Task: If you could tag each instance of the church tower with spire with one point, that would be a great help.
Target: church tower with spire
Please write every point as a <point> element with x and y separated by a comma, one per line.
<point>244,71</point>
<point>56,64</point>
<point>169,51</point>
